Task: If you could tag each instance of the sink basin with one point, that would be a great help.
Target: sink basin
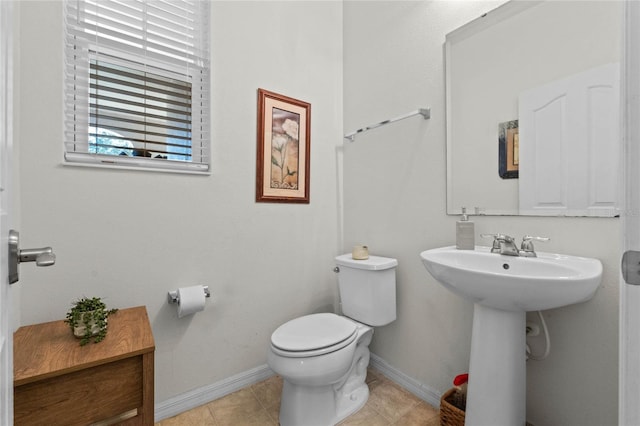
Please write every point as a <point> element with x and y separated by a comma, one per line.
<point>502,289</point>
<point>514,283</point>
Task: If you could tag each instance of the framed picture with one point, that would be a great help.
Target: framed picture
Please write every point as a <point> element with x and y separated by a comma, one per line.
<point>284,141</point>
<point>508,150</point>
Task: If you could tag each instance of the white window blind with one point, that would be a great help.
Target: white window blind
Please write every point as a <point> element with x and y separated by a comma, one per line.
<point>137,84</point>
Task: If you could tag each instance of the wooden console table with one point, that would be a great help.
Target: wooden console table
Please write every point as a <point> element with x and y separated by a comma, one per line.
<point>59,382</point>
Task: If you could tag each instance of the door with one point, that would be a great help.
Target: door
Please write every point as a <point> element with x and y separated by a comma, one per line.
<point>6,105</point>
<point>629,377</point>
<point>569,133</point>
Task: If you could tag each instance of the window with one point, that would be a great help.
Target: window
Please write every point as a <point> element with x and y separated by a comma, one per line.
<point>137,84</point>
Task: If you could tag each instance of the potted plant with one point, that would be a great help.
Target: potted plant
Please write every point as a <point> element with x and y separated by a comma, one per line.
<point>88,319</point>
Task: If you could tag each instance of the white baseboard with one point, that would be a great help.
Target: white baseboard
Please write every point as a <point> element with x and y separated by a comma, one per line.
<point>422,391</point>
<point>197,397</point>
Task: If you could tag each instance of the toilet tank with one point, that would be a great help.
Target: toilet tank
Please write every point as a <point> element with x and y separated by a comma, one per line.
<point>368,288</point>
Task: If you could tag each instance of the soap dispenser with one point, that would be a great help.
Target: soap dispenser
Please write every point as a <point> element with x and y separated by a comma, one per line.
<point>465,232</point>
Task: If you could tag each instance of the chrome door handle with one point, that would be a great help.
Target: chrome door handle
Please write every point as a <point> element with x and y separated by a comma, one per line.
<point>42,256</point>
<point>631,267</point>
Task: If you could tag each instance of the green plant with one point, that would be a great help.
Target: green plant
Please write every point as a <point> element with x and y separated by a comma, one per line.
<point>90,317</point>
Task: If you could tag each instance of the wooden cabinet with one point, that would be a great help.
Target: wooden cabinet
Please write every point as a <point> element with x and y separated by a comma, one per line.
<point>59,382</point>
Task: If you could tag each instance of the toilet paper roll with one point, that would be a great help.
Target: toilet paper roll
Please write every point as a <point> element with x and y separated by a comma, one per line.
<point>190,300</point>
<point>360,253</point>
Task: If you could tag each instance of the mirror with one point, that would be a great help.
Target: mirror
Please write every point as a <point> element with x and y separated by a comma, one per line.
<point>490,62</point>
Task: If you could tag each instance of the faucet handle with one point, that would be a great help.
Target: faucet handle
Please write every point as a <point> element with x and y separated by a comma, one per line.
<point>531,238</point>
<point>489,235</point>
<point>496,241</point>
<point>527,242</point>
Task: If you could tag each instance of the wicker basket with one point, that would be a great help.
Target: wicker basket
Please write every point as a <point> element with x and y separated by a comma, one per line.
<point>450,415</point>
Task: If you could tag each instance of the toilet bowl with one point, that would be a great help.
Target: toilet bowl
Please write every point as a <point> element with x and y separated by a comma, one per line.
<point>323,358</point>
<point>324,377</point>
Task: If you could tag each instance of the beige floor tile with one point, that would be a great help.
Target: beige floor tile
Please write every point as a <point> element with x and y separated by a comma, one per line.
<point>373,375</point>
<point>259,405</point>
<point>197,416</point>
<point>433,422</point>
<point>256,419</point>
<point>367,416</point>
<point>268,391</point>
<point>374,379</point>
<point>391,401</point>
<point>274,412</point>
<point>239,408</point>
<point>421,415</point>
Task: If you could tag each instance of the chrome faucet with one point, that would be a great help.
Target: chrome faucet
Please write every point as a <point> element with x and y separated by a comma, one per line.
<point>504,244</point>
<point>527,249</point>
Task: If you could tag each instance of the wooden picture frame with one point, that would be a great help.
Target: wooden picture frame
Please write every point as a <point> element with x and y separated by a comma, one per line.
<point>283,152</point>
<point>508,150</point>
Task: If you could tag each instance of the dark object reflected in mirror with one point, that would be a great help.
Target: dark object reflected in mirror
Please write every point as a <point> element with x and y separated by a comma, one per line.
<point>508,150</point>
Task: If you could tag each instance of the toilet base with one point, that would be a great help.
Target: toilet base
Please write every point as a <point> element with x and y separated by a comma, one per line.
<point>351,403</point>
<point>303,405</point>
<point>322,405</point>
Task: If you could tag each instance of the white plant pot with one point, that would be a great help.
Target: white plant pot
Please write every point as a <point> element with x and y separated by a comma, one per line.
<point>80,329</point>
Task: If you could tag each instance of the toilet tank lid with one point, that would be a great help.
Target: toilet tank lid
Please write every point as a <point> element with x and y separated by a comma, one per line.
<point>373,263</point>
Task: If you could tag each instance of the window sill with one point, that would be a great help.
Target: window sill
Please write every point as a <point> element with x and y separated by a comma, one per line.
<point>127,163</point>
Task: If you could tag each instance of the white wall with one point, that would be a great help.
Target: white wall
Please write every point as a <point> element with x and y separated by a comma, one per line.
<point>394,191</point>
<point>132,236</point>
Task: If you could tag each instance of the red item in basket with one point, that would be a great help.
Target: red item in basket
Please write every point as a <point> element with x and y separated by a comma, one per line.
<point>461,379</point>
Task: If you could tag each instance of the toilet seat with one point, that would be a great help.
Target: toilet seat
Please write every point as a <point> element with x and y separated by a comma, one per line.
<point>313,335</point>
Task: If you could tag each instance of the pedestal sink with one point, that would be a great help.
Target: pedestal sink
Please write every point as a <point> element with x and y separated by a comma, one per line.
<point>502,289</point>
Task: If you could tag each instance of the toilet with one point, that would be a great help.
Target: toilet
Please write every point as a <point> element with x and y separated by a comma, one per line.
<point>323,358</point>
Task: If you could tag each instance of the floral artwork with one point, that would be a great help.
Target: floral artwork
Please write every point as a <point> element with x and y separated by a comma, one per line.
<point>283,149</point>
<point>285,135</point>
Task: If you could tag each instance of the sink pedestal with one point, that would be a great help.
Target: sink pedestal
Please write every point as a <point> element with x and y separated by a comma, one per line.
<point>497,371</point>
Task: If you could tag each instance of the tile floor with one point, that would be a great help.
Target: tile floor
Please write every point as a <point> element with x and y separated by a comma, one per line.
<point>258,405</point>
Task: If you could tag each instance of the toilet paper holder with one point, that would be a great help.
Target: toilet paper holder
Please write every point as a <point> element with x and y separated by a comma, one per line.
<point>172,296</point>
